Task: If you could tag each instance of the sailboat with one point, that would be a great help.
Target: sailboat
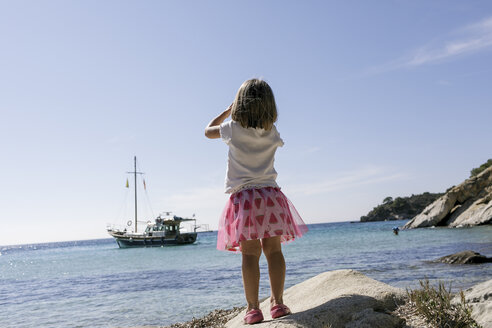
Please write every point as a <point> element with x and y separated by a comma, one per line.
<point>164,231</point>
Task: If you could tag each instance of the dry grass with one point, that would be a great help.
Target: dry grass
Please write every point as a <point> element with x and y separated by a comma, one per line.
<point>215,319</point>
<point>436,306</point>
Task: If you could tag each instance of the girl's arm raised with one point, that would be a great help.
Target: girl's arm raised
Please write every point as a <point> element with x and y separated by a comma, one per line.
<point>212,130</point>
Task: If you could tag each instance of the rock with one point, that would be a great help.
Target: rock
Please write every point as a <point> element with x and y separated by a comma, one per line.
<point>342,298</point>
<point>473,212</point>
<point>434,213</point>
<point>479,297</point>
<point>465,257</point>
<point>467,204</point>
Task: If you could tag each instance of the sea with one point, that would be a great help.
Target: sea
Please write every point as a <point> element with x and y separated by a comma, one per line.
<point>96,284</point>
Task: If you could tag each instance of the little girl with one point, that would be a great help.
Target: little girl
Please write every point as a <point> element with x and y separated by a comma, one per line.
<point>258,216</point>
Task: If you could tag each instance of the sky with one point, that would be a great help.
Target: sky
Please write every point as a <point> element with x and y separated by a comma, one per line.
<point>375,99</point>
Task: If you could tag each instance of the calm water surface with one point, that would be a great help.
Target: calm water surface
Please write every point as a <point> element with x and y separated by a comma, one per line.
<point>96,284</point>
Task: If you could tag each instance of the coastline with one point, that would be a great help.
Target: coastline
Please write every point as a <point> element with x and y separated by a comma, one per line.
<point>219,317</point>
<point>348,298</point>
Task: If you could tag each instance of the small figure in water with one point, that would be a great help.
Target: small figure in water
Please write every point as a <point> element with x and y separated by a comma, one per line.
<point>396,230</point>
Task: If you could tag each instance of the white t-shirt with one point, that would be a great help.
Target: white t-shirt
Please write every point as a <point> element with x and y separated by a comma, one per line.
<point>251,156</point>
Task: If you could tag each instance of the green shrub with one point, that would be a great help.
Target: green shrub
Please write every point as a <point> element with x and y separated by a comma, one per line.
<point>478,170</point>
<point>435,305</point>
<point>400,207</point>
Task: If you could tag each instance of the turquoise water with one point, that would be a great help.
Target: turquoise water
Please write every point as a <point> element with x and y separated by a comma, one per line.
<point>96,284</point>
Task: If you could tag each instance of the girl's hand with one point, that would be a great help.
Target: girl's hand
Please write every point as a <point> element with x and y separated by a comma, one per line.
<point>212,130</point>
<point>228,111</point>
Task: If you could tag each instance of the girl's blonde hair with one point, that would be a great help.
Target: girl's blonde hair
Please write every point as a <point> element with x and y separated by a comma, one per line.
<point>254,106</point>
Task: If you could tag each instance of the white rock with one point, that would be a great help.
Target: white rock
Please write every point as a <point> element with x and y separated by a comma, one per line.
<point>476,213</point>
<point>480,299</point>
<point>434,213</point>
<point>342,298</point>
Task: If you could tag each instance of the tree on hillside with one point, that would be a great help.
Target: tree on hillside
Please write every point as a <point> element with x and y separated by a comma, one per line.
<point>387,200</point>
<point>483,167</point>
<point>399,204</point>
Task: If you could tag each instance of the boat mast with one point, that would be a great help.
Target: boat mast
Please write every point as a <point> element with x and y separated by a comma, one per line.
<point>135,182</point>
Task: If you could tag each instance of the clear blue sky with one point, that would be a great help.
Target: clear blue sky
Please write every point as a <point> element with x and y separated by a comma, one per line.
<point>375,99</point>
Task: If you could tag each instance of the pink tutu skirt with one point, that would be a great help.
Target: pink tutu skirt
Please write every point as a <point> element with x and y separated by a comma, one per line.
<point>255,214</point>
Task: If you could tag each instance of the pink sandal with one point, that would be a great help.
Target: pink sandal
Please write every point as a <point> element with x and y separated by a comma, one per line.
<point>253,316</point>
<point>279,310</point>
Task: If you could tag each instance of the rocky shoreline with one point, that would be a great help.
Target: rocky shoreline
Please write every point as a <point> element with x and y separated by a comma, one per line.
<point>219,317</point>
<point>216,318</point>
<point>468,204</point>
<point>465,205</point>
<point>346,298</point>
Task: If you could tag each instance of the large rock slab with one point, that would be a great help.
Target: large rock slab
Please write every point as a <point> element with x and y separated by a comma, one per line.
<point>465,257</point>
<point>434,213</point>
<point>480,299</point>
<point>473,212</point>
<point>342,298</point>
<point>467,204</point>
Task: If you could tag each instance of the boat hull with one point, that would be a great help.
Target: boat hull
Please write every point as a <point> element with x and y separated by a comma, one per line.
<point>182,239</point>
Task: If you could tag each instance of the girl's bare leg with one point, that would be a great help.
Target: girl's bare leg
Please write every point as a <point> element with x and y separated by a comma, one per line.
<point>276,268</point>
<point>251,250</point>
